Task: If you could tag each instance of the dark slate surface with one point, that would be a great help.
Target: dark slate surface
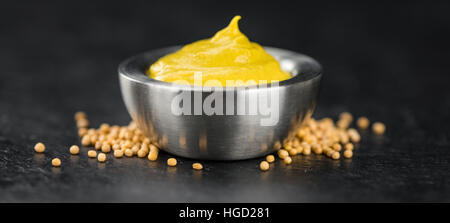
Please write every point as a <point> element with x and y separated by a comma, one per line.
<point>57,58</point>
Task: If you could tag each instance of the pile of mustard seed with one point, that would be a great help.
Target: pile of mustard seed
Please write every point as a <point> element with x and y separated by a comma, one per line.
<point>323,137</point>
<point>122,141</point>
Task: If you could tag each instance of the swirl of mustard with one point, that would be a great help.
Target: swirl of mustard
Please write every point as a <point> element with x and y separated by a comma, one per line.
<point>226,59</point>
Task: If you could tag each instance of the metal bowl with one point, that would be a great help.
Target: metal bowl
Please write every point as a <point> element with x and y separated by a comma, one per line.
<point>235,136</point>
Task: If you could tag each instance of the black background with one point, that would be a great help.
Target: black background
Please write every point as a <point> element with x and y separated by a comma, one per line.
<point>386,60</point>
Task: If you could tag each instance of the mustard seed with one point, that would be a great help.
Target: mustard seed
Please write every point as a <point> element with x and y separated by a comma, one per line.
<point>354,135</point>
<point>82,123</point>
<point>346,116</point>
<point>141,153</point>
<point>39,147</point>
<point>93,138</point>
<point>56,162</point>
<point>197,166</point>
<point>337,147</point>
<point>348,154</point>
<point>153,155</point>
<point>91,131</point>
<point>172,162</point>
<point>328,151</point>
<point>98,145</point>
<point>136,138</point>
<point>378,128</point>
<point>125,146</point>
<point>104,127</point>
<point>335,155</point>
<point>146,140</point>
<point>287,160</point>
<point>74,150</point>
<point>342,123</point>
<point>363,122</point>
<point>128,153</point>
<point>305,145</point>
<point>116,147</point>
<point>306,151</point>
<point>270,158</point>
<point>144,147</point>
<point>86,140</point>
<point>101,157</point>
<point>106,148</point>
<point>92,153</point>
<point>80,115</point>
<point>287,147</point>
<point>344,138</point>
<point>82,132</point>
<point>317,149</point>
<point>293,152</point>
<point>282,153</point>
<point>349,146</point>
<point>135,149</point>
<point>264,166</point>
<point>118,153</point>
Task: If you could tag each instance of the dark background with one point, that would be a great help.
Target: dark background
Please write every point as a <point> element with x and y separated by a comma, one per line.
<point>385,60</point>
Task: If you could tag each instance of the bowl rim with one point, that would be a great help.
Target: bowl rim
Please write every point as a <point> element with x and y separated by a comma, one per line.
<point>135,74</point>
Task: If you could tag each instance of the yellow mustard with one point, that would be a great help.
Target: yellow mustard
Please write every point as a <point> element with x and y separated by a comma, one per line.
<point>227,56</point>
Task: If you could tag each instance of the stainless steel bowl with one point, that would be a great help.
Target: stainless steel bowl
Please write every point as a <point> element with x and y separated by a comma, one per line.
<point>218,137</point>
